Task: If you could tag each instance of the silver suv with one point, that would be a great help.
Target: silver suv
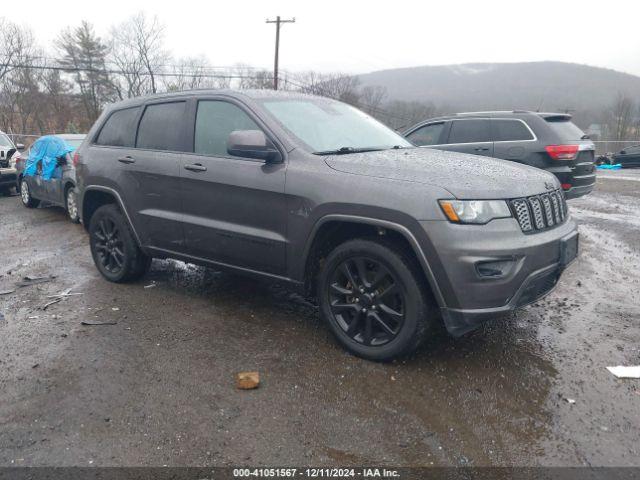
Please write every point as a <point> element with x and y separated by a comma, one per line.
<point>389,239</point>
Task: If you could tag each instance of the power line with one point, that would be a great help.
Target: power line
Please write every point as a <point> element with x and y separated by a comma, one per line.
<point>194,74</point>
<point>70,69</point>
<point>278,21</point>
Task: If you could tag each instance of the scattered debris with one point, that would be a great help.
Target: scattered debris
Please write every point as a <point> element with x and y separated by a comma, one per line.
<point>35,365</point>
<point>115,309</point>
<point>570,401</point>
<point>92,323</point>
<point>151,285</point>
<point>28,280</point>
<point>7,292</point>
<point>247,380</point>
<point>48,304</point>
<point>33,317</point>
<point>625,372</point>
<point>2,317</point>
<point>59,296</point>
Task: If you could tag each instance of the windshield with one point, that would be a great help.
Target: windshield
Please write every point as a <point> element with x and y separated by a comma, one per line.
<point>5,141</point>
<point>327,125</point>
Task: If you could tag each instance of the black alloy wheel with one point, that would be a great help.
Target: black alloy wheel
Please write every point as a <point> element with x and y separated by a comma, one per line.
<point>374,298</point>
<point>109,246</point>
<point>367,301</point>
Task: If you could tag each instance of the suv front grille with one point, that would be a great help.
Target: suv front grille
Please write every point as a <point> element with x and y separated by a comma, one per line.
<point>540,212</point>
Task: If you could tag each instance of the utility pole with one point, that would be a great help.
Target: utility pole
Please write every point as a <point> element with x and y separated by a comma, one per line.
<point>278,21</point>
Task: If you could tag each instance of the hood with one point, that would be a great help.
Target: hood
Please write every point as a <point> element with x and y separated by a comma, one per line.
<point>465,176</point>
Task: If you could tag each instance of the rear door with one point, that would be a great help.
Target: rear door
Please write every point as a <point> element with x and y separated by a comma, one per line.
<point>469,135</point>
<point>512,139</point>
<point>235,208</point>
<point>145,168</point>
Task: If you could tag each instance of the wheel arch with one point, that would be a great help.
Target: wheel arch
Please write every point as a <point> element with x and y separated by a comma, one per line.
<point>331,230</point>
<point>94,197</point>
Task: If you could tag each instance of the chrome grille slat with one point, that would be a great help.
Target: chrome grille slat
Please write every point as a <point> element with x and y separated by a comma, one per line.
<point>556,207</point>
<point>546,203</point>
<point>522,214</point>
<point>540,212</point>
<point>536,208</point>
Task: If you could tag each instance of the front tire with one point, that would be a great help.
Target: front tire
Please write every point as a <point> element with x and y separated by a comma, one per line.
<point>114,248</point>
<point>25,195</point>
<point>374,299</point>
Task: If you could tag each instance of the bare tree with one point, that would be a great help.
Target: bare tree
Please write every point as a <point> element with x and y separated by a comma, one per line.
<point>621,117</point>
<point>371,98</point>
<point>333,85</point>
<point>148,37</point>
<point>17,53</point>
<point>400,114</point>
<point>249,77</point>
<point>195,72</point>
<point>131,79</point>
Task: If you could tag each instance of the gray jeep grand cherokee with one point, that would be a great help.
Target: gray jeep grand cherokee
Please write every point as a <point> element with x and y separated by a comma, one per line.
<point>388,238</point>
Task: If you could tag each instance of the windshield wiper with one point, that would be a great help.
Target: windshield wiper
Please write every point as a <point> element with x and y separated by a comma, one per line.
<point>347,150</point>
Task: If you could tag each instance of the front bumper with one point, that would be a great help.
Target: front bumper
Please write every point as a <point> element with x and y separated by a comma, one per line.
<point>486,270</point>
<point>8,177</point>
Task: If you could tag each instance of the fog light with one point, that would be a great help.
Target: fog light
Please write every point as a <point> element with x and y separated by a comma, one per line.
<point>494,269</point>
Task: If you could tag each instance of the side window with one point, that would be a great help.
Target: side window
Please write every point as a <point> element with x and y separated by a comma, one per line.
<point>120,128</point>
<point>215,120</point>
<point>427,135</point>
<point>469,131</point>
<point>510,131</point>
<point>161,127</point>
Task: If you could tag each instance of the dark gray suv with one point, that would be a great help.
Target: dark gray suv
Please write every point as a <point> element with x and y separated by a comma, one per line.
<point>550,141</point>
<point>390,239</point>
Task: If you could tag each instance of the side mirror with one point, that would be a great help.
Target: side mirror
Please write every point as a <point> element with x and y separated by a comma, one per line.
<point>252,144</point>
<point>20,146</point>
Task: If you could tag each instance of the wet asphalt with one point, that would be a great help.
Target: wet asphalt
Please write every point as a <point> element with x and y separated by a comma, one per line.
<point>157,387</point>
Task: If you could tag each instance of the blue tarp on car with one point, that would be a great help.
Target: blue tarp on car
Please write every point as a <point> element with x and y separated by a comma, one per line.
<point>46,151</point>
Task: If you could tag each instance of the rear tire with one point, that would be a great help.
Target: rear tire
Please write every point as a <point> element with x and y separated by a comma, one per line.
<point>374,299</point>
<point>71,204</point>
<point>25,194</point>
<point>114,248</point>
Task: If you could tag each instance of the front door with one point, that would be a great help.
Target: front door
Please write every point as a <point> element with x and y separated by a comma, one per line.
<point>234,208</point>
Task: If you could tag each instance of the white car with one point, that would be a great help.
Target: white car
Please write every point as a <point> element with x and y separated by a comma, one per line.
<point>9,153</point>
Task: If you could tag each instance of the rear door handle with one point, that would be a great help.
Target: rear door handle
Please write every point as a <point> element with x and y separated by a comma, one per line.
<point>196,167</point>
<point>481,149</point>
<point>127,159</point>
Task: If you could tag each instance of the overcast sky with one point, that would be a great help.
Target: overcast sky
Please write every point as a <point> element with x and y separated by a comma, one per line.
<point>362,36</point>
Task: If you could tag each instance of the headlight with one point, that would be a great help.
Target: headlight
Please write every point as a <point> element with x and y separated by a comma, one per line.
<point>474,211</point>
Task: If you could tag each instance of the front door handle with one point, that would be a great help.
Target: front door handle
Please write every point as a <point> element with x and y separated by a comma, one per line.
<point>127,159</point>
<point>481,149</point>
<point>196,167</point>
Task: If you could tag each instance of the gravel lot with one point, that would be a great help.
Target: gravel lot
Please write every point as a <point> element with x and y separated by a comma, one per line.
<point>157,387</point>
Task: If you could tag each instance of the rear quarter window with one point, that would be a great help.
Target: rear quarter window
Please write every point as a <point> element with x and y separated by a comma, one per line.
<point>565,129</point>
<point>120,129</point>
<point>510,131</point>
